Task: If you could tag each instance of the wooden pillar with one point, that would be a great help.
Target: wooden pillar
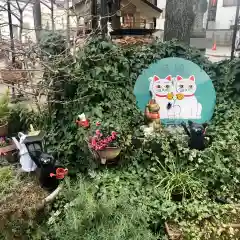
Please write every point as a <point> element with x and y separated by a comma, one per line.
<point>137,20</point>
<point>154,22</point>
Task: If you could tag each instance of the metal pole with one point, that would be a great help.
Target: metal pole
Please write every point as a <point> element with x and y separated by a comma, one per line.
<point>11,40</point>
<point>235,29</point>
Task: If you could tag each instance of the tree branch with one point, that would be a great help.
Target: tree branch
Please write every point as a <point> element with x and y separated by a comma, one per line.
<point>14,14</point>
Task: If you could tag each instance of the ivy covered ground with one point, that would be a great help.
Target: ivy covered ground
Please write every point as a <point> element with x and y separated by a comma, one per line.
<point>135,198</point>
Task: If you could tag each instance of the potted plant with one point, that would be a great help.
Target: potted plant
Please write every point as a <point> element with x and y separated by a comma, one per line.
<point>104,144</point>
<point>4,114</point>
<point>8,149</point>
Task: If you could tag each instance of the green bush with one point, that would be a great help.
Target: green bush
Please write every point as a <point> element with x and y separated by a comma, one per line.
<point>8,180</point>
<point>52,44</point>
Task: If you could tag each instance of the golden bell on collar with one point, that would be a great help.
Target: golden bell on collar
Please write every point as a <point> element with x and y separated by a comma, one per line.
<point>170,96</point>
<point>180,96</point>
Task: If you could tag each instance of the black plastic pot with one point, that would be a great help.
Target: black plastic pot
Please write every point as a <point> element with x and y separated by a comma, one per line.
<point>178,197</point>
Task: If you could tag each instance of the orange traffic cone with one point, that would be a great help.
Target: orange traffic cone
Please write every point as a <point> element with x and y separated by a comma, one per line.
<point>214,48</point>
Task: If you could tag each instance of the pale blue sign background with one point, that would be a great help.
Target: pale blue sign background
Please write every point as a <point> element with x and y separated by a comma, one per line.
<point>205,92</point>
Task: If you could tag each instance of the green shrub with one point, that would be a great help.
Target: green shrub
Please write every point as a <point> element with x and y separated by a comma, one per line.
<point>233,79</point>
<point>8,180</point>
<point>52,44</point>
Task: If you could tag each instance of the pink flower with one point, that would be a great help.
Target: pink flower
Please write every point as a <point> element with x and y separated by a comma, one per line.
<point>98,132</point>
<point>98,123</point>
<point>114,133</point>
<point>93,142</point>
<point>109,139</point>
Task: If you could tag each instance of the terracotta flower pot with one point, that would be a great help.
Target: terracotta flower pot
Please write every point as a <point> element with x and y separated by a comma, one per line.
<point>108,153</point>
<point>4,130</point>
<point>10,153</point>
<point>12,156</point>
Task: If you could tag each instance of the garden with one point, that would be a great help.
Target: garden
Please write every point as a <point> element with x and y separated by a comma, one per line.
<point>119,182</point>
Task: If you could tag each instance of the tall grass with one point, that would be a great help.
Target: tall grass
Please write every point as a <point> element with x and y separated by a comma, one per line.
<point>175,180</point>
<point>8,180</point>
<point>86,218</point>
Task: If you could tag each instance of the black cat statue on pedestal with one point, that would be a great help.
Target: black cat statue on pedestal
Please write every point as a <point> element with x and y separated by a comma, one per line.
<point>197,135</point>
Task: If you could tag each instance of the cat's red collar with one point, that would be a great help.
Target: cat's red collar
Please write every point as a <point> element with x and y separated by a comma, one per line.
<point>165,95</point>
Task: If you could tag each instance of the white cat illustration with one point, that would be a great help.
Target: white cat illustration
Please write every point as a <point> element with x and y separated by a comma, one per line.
<point>185,98</point>
<point>160,88</point>
<point>175,96</point>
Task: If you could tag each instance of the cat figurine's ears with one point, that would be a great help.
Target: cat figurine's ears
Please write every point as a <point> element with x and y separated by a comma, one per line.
<point>156,78</point>
<point>192,78</point>
<point>169,78</point>
<point>179,78</point>
<point>190,123</point>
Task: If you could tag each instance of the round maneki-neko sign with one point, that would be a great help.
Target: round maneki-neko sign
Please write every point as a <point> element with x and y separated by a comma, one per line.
<point>181,88</point>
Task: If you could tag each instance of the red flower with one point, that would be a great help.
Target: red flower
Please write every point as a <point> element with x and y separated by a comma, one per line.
<point>85,123</point>
<point>114,133</point>
<point>98,123</point>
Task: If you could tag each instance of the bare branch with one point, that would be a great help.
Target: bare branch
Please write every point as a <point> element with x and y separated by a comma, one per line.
<point>15,15</point>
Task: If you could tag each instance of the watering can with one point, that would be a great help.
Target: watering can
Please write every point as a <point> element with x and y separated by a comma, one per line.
<point>26,161</point>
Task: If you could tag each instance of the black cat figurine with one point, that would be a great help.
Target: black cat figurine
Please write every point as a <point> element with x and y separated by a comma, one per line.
<point>197,134</point>
<point>48,166</point>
